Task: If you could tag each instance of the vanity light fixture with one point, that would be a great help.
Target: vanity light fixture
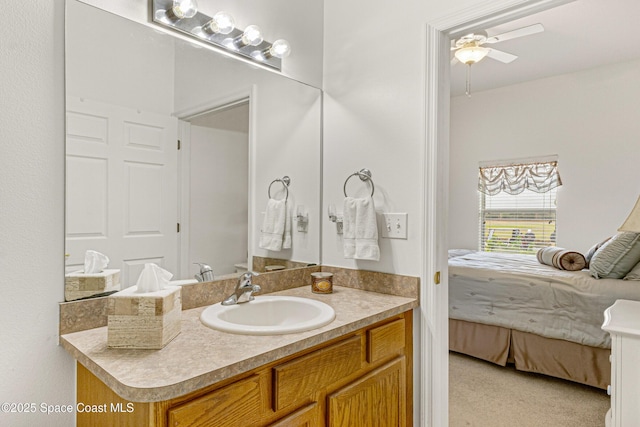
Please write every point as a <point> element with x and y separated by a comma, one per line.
<point>220,31</point>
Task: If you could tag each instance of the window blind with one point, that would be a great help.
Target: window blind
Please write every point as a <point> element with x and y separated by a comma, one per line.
<point>521,223</point>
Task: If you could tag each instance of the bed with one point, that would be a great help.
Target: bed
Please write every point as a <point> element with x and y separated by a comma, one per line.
<point>510,308</point>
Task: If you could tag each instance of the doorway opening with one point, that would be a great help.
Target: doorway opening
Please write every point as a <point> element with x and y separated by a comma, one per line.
<point>214,187</point>
<point>434,297</point>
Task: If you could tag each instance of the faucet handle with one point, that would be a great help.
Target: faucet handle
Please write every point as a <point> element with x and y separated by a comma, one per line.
<point>247,275</point>
<point>245,278</point>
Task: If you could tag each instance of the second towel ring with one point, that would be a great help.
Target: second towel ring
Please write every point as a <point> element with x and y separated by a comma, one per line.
<point>285,180</point>
<point>364,175</point>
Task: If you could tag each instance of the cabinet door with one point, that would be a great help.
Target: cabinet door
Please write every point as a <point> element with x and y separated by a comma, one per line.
<point>309,416</point>
<point>239,404</point>
<point>377,399</point>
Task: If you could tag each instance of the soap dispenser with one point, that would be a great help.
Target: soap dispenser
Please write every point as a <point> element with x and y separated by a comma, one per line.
<point>206,273</point>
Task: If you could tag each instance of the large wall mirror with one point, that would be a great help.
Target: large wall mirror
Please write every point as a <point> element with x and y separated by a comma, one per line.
<point>132,93</point>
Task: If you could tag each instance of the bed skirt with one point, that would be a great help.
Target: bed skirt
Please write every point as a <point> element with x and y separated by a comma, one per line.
<point>532,353</point>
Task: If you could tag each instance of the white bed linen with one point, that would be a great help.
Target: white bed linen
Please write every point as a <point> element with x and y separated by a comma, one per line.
<point>516,291</point>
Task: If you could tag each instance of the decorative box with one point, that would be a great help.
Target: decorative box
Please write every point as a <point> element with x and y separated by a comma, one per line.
<point>78,285</point>
<point>143,320</point>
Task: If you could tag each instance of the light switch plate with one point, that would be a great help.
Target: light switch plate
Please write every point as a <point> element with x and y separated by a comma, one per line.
<point>394,226</point>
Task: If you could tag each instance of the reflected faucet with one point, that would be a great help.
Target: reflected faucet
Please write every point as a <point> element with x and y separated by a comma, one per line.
<point>206,273</point>
<point>244,290</point>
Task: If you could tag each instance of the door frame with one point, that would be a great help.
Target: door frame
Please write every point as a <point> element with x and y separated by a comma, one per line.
<point>247,94</point>
<point>434,299</point>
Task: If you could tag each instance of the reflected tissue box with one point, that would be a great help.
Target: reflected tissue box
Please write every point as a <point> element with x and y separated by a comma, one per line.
<point>78,285</point>
<point>143,320</point>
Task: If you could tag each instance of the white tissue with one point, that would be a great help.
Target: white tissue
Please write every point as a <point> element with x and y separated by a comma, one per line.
<point>95,262</point>
<point>152,278</point>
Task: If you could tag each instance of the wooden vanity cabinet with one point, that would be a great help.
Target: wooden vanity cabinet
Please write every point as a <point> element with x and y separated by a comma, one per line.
<point>362,378</point>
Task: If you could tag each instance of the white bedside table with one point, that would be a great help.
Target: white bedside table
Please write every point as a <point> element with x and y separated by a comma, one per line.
<point>622,321</point>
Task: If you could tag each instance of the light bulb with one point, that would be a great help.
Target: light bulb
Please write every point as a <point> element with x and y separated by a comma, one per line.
<point>279,49</point>
<point>252,36</point>
<point>221,23</point>
<point>184,8</point>
<point>471,54</point>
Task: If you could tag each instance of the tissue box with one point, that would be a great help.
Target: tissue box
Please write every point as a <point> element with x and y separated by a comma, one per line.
<point>79,285</point>
<point>143,320</point>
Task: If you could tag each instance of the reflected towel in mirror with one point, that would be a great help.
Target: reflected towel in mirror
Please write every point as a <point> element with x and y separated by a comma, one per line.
<point>275,234</point>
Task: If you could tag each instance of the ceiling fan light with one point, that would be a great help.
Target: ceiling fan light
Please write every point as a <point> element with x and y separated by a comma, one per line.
<point>471,54</point>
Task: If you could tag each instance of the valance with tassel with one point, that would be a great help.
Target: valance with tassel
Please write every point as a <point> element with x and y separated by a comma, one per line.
<point>541,176</point>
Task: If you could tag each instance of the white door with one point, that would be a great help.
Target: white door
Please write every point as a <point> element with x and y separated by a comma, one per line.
<point>121,187</point>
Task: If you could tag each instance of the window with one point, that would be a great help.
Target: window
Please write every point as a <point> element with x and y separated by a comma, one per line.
<point>521,223</point>
<point>518,206</point>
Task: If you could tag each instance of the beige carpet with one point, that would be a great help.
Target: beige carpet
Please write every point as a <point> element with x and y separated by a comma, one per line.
<point>482,394</point>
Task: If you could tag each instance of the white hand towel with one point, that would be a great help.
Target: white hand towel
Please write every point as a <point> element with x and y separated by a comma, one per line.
<point>286,240</point>
<point>272,234</point>
<point>360,236</point>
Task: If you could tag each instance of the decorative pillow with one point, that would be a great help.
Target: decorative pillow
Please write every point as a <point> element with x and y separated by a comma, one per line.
<point>617,257</point>
<point>634,274</point>
<point>594,249</point>
<point>561,259</point>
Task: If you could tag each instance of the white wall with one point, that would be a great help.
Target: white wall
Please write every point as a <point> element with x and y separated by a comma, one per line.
<point>588,118</point>
<point>218,209</point>
<point>33,368</point>
<point>104,52</point>
<point>374,116</point>
<point>373,110</point>
<point>285,135</point>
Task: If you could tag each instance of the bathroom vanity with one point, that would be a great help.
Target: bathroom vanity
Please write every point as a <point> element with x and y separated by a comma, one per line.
<point>356,369</point>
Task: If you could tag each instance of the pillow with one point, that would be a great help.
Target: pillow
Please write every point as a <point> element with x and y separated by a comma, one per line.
<point>617,257</point>
<point>561,259</point>
<point>634,274</point>
<point>594,249</point>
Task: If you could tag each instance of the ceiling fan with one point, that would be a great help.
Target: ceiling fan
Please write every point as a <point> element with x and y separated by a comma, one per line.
<point>470,49</point>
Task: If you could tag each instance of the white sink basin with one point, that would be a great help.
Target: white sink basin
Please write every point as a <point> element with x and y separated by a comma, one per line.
<point>269,315</point>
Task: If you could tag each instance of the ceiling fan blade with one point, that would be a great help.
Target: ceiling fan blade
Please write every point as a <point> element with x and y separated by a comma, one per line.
<point>501,56</point>
<point>520,32</point>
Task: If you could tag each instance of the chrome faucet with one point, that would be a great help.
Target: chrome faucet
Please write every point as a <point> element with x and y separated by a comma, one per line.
<point>206,273</point>
<point>244,290</point>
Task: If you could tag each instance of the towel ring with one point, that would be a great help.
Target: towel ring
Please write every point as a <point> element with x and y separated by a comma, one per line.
<point>285,180</point>
<point>364,175</point>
